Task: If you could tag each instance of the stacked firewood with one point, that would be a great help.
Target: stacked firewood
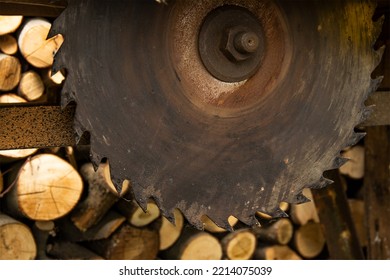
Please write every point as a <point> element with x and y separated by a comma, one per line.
<point>54,204</point>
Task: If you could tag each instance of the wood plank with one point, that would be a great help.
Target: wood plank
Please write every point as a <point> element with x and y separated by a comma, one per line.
<point>377,191</point>
<point>43,8</point>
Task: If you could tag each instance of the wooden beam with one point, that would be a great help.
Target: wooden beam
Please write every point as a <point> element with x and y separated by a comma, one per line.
<point>381,110</point>
<point>43,8</point>
<point>377,191</point>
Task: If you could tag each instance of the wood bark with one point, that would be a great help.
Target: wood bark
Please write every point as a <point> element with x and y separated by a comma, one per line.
<point>239,245</point>
<point>9,24</point>
<point>31,86</point>
<point>34,45</point>
<point>309,241</point>
<point>10,72</point>
<point>128,243</point>
<point>335,216</point>
<point>99,200</point>
<point>16,240</point>
<point>377,191</point>
<point>169,232</point>
<point>65,250</point>
<point>195,245</point>
<point>275,252</point>
<point>8,44</point>
<point>45,188</point>
<point>278,232</point>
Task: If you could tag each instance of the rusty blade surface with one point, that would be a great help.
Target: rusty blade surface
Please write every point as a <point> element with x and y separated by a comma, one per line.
<point>207,147</point>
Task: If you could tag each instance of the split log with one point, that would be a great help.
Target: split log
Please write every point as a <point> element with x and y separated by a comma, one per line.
<point>195,245</point>
<point>31,86</point>
<point>284,206</point>
<point>10,72</point>
<point>169,233</point>
<point>102,230</point>
<point>303,213</point>
<point>33,45</point>
<point>45,188</point>
<point>9,24</point>
<point>239,245</point>
<point>128,243</point>
<point>309,241</point>
<point>275,252</point>
<point>16,240</point>
<point>8,44</point>
<point>100,197</point>
<point>210,226</point>
<point>358,214</point>
<point>278,232</point>
<point>65,250</point>
<point>136,215</point>
<point>354,168</point>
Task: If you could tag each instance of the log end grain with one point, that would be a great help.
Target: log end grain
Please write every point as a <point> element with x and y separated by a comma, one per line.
<point>239,245</point>
<point>9,24</point>
<point>140,218</point>
<point>8,44</point>
<point>10,72</point>
<point>309,240</point>
<point>201,246</point>
<point>169,233</point>
<point>31,86</point>
<point>16,240</point>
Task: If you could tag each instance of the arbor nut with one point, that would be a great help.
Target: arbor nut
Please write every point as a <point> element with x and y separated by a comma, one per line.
<point>239,44</point>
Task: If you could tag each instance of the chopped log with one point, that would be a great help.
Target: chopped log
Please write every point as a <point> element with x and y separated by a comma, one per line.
<point>354,168</point>
<point>128,243</point>
<point>8,44</point>
<point>136,215</point>
<point>210,226</point>
<point>301,214</point>
<point>169,233</point>
<point>45,188</point>
<point>377,191</point>
<point>10,72</point>
<point>309,241</point>
<point>65,250</point>
<point>56,78</point>
<point>31,86</point>
<point>100,197</point>
<point>16,240</point>
<point>33,45</point>
<point>284,206</point>
<point>339,230</point>
<point>357,209</point>
<point>275,252</point>
<point>102,230</point>
<point>195,245</point>
<point>9,24</point>
<point>278,232</point>
<point>239,245</point>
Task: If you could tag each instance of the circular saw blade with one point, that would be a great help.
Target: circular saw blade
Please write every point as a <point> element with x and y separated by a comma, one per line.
<point>207,147</point>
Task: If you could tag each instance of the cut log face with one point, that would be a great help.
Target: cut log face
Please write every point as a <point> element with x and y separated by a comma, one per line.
<point>9,24</point>
<point>31,86</point>
<point>239,245</point>
<point>8,44</point>
<point>309,240</point>
<point>47,188</point>
<point>10,72</point>
<point>20,153</point>
<point>276,252</point>
<point>141,218</point>
<point>353,168</point>
<point>301,214</point>
<point>202,246</point>
<point>16,240</point>
<point>33,45</point>
<point>210,226</point>
<point>279,232</point>
<point>169,233</point>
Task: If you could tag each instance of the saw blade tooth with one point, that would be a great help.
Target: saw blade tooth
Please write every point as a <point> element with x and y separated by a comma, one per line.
<point>279,213</point>
<point>249,220</point>
<point>339,161</point>
<point>355,138</point>
<point>377,28</point>
<point>322,183</point>
<point>300,198</point>
<point>377,57</point>
<point>366,113</point>
<point>375,83</point>
<point>58,63</point>
<point>56,27</point>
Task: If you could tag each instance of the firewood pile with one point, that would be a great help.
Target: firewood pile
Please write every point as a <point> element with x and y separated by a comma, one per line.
<point>55,205</point>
